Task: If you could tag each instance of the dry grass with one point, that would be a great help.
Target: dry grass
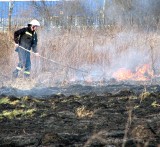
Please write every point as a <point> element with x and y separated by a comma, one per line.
<point>5,53</point>
<point>83,112</point>
<point>109,49</point>
<point>95,50</point>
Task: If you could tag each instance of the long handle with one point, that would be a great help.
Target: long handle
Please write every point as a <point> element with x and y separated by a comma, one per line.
<point>53,60</point>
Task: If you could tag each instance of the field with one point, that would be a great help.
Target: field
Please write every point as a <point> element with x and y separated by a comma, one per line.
<point>95,87</point>
<point>115,115</point>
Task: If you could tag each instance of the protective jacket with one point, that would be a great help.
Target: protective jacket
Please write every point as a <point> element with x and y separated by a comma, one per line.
<point>26,38</point>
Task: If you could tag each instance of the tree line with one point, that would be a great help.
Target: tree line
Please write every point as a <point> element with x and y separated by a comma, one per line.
<point>144,13</point>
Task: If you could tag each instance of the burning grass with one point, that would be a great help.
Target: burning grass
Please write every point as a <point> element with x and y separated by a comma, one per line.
<point>103,53</point>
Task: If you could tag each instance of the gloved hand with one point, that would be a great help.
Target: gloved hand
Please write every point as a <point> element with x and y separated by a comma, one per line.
<point>16,45</point>
<point>37,54</point>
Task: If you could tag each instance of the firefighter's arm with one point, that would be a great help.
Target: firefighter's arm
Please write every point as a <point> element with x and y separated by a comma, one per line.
<point>17,34</point>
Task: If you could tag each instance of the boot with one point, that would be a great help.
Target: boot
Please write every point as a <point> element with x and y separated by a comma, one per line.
<point>26,76</point>
<point>15,74</point>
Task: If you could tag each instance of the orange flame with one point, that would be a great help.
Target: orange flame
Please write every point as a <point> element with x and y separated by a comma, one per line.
<point>123,74</point>
<point>142,73</point>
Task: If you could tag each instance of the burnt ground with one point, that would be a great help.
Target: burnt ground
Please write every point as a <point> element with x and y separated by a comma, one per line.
<point>76,116</point>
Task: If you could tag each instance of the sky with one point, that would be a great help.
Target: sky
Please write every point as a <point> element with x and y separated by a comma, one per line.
<point>91,5</point>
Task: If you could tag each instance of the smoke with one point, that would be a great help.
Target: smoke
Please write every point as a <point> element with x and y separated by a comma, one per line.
<point>99,53</point>
<point>128,49</point>
<point>144,13</point>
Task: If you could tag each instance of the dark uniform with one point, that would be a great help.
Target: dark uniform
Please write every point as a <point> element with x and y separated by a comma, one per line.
<point>27,39</point>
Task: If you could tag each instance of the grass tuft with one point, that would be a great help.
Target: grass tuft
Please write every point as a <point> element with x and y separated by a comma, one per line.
<point>83,112</point>
<point>17,113</point>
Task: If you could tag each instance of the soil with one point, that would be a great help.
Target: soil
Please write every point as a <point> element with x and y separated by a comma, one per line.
<point>81,116</point>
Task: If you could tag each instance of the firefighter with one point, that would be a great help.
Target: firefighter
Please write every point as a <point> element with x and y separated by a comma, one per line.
<point>25,38</point>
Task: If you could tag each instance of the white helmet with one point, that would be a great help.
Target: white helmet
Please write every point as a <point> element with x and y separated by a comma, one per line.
<point>34,22</point>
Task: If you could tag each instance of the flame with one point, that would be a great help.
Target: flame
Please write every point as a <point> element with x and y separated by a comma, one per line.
<point>123,74</point>
<point>142,73</point>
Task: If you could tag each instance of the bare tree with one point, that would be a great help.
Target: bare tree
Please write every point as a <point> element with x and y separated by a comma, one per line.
<point>43,10</point>
<point>11,5</point>
<point>66,11</point>
<point>124,4</point>
<point>72,10</point>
